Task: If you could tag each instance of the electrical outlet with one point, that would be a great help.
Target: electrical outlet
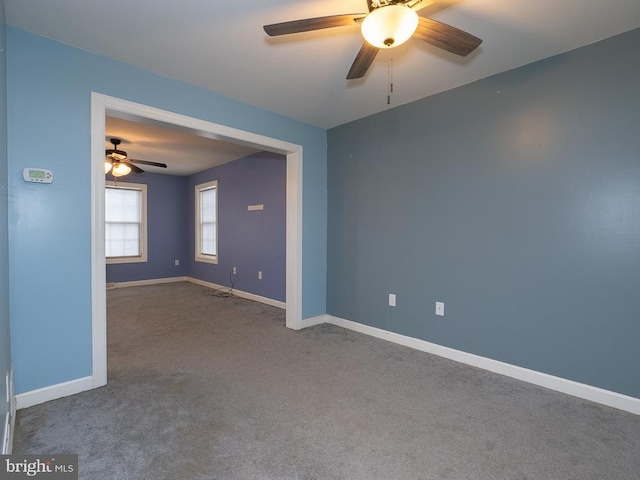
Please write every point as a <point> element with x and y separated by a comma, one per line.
<point>176,262</point>
<point>440,309</point>
<point>259,275</point>
<point>234,271</point>
<point>392,299</point>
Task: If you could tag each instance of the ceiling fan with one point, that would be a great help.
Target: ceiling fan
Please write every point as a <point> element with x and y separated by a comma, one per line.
<point>388,24</point>
<point>119,163</point>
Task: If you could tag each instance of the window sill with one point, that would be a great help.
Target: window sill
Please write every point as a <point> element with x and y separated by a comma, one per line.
<point>117,260</point>
<point>207,259</point>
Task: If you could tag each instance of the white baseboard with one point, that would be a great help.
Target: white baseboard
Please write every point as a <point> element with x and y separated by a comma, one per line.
<point>53,392</point>
<point>203,283</point>
<point>10,417</point>
<point>240,293</point>
<point>580,390</point>
<point>151,281</point>
<point>310,322</point>
<point>6,438</point>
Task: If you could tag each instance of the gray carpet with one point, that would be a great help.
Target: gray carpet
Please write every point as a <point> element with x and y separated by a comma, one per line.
<point>209,388</point>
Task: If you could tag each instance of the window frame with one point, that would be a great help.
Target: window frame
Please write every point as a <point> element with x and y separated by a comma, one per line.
<point>199,256</point>
<point>142,188</point>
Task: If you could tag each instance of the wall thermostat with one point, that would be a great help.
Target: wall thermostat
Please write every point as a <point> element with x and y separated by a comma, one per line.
<point>37,175</point>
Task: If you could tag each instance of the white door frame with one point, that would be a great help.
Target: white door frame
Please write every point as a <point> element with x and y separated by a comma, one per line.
<point>100,106</point>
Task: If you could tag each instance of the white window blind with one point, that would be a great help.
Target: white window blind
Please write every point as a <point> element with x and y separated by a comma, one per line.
<point>206,196</point>
<point>208,221</point>
<point>125,222</point>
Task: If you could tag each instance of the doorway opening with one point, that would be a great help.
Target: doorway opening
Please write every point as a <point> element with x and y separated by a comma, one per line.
<point>103,105</point>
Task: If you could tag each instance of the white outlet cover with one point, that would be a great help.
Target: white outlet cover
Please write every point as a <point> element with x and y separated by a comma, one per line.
<point>392,299</point>
<point>440,309</point>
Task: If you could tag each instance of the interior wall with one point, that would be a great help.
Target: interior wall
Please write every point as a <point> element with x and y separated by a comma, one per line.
<point>514,200</point>
<point>166,229</point>
<point>5,347</point>
<point>251,241</point>
<point>49,104</point>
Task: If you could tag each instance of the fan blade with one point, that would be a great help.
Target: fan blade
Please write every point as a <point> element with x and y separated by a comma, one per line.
<point>446,37</point>
<point>309,24</point>
<point>363,61</point>
<point>420,4</point>
<point>144,162</point>
<point>135,169</point>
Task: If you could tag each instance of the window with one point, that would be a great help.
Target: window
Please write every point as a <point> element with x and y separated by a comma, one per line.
<point>207,222</point>
<point>126,222</point>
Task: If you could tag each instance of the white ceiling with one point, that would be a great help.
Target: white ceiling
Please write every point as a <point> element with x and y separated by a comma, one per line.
<point>184,152</point>
<point>220,46</point>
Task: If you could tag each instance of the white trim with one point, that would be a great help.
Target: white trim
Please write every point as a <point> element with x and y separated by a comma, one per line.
<point>310,322</point>
<point>12,410</point>
<point>294,240</point>
<point>6,437</point>
<point>197,222</point>
<point>580,390</point>
<point>142,188</point>
<point>100,104</point>
<point>151,281</point>
<point>203,283</point>
<point>240,293</point>
<point>53,392</point>
<point>98,263</point>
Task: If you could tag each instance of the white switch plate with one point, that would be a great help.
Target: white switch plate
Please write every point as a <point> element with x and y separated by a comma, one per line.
<point>392,299</point>
<point>176,262</point>
<point>233,270</point>
<point>440,309</point>
<point>259,275</point>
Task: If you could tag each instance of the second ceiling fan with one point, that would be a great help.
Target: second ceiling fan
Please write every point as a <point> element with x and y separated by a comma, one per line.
<point>388,24</point>
<point>119,164</point>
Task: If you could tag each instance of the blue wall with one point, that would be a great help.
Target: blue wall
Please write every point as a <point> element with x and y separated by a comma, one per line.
<point>5,349</point>
<point>250,241</point>
<point>166,230</point>
<point>516,201</point>
<point>49,91</point>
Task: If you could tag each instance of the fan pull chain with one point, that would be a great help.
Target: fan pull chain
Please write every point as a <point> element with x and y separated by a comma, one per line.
<point>389,80</point>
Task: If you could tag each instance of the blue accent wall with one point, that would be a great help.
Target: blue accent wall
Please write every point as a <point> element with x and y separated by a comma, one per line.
<point>516,201</point>
<point>166,229</point>
<point>5,338</point>
<point>251,241</point>
<point>49,91</point>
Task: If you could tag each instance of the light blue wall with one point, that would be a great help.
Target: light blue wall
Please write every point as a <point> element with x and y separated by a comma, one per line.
<point>249,241</point>
<point>166,229</point>
<point>5,348</point>
<point>516,201</point>
<point>49,86</point>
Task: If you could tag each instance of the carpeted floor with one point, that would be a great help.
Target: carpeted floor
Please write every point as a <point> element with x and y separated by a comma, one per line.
<point>209,388</point>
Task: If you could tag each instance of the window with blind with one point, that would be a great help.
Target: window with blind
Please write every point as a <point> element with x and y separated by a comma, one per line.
<point>206,222</point>
<point>126,222</point>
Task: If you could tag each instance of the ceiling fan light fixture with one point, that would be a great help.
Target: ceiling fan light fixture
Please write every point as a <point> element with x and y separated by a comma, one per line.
<point>389,26</point>
<point>120,170</point>
<point>107,166</point>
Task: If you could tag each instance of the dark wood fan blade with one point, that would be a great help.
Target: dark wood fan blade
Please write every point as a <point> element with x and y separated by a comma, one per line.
<point>135,169</point>
<point>363,61</point>
<point>446,37</point>
<point>144,162</point>
<point>309,24</point>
